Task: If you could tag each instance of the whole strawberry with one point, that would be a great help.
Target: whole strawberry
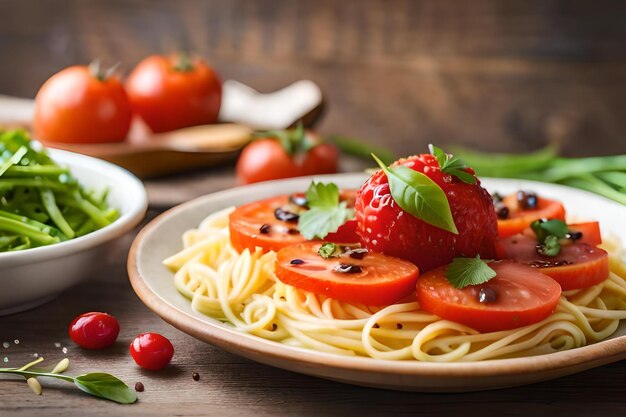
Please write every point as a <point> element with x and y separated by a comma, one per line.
<point>384,226</point>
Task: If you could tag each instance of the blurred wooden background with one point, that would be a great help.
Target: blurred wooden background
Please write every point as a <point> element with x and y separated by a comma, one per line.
<point>502,75</point>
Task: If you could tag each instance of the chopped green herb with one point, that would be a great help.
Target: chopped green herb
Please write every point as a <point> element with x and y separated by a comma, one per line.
<point>463,272</point>
<point>554,227</point>
<point>550,246</point>
<point>326,213</point>
<point>452,165</point>
<point>548,233</point>
<point>419,196</point>
<point>329,250</point>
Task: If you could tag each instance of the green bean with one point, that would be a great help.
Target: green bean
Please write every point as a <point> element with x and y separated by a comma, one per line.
<point>49,202</point>
<point>24,229</point>
<point>41,202</point>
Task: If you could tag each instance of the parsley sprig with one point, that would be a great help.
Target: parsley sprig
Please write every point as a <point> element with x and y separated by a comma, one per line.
<point>419,196</point>
<point>326,212</point>
<point>463,272</point>
<point>450,164</point>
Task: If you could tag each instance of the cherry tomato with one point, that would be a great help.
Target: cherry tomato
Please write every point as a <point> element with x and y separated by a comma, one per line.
<point>151,351</point>
<point>519,218</point>
<point>578,265</point>
<point>78,105</point>
<point>371,279</point>
<point>174,92</point>
<point>518,296</point>
<point>266,159</point>
<point>94,330</point>
<point>257,224</point>
<point>384,227</point>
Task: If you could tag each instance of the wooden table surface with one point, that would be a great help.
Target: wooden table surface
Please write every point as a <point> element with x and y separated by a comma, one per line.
<point>399,73</point>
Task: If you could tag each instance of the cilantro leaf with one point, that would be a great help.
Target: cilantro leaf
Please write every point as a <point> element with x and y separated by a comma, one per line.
<point>419,196</point>
<point>452,165</point>
<point>329,250</point>
<point>326,213</point>
<point>463,272</point>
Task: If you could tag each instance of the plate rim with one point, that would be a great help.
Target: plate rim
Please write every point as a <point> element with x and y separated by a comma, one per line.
<point>214,332</point>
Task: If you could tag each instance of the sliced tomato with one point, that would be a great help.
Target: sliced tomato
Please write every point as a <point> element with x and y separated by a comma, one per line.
<point>520,296</point>
<point>578,265</point>
<point>257,224</point>
<point>375,279</point>
<point>519,218</point>
<point>590,232</point>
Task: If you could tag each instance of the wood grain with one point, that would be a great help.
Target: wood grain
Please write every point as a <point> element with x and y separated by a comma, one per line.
<point>508,76</point>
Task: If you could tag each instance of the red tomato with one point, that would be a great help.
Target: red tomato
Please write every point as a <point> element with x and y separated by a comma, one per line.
<point>520,218</point>
<point>94,330</point>
<point>590,232</point>
<point>385,227</point>
<point>77,106</point>
<point>151,351</point>
<point>376,279</point>
<point>578,265</point>
<point>522,296</point>
<point>256,224</point>
<point>266,159</point>
<point>171,93</point>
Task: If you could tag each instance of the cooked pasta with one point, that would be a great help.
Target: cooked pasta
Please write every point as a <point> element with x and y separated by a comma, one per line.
<point>241,289</point>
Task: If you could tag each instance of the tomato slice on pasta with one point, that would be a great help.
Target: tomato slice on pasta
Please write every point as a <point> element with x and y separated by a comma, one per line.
<point>590,232</point>
<point>375,279</point>
<point>519,218</point>
<point>517,296</point>
<point>577,266</point>
<point>258,224</point>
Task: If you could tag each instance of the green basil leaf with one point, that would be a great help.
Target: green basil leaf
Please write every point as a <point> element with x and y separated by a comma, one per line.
<point>106,386</point>
<point>463,272</point>
<point>452,165</point>
<point>419,196</point>
<point>329,250</point>
<point>554,227</point>
<point>439,154</point>
<point>464,176</point>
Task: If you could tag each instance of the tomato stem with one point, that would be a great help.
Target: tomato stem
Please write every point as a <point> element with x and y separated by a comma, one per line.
<point>184,63</point>
<point>96,71</point>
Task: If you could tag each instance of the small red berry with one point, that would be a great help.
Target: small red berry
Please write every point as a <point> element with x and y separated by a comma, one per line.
<point>151,351</point>
<point>94,330</point>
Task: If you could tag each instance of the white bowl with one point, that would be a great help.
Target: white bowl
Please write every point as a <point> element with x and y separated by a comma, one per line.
<point>31,277</point>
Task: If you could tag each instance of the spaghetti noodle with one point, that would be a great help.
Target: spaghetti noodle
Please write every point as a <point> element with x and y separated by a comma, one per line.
<point>241,289</point>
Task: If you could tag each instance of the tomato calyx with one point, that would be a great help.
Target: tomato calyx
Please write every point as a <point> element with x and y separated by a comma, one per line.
<point>183,62</point>
<point>294,141</point>
<point>100,74</point>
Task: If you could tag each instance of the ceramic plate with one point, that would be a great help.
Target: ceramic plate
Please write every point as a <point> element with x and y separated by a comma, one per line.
<point>154,285</point>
